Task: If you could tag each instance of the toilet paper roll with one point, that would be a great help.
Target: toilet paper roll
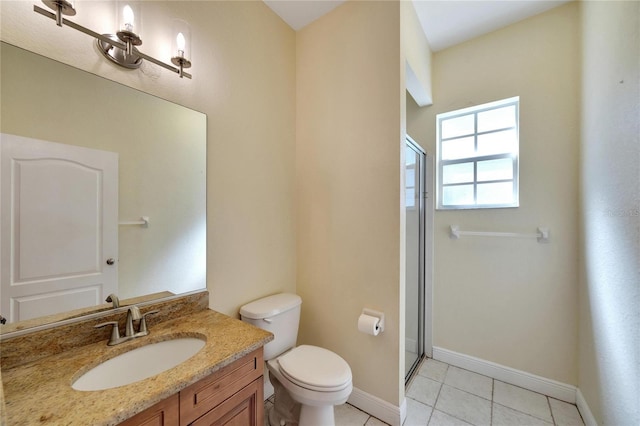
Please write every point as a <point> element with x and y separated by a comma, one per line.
<point>369,325</point>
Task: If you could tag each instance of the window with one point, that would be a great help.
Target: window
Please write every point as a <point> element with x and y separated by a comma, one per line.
<point>478,156</point>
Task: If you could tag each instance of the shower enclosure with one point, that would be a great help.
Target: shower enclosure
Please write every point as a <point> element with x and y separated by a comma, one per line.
<point>417,202</point>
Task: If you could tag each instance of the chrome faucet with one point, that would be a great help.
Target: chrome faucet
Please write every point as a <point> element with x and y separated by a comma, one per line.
<point>112,298</point>
<point>133,314</point>
<point>142,327</point>
<point>115,338</point>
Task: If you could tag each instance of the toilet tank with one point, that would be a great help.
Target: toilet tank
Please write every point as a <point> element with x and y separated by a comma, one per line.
<point>278,314</point>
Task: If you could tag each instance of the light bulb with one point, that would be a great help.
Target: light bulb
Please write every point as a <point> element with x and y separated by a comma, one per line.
<point>127,18</point>
<point>181,42</point>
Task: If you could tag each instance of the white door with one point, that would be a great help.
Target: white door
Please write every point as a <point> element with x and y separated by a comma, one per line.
<point>58,227</point>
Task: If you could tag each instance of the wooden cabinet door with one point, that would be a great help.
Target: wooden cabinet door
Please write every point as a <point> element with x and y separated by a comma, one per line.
<point>245,408</point>
<point>164,413</point>
<point>202,396</point>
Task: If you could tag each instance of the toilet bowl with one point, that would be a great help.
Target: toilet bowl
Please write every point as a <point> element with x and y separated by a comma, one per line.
<point>314,377</point>
<point>308,380</point>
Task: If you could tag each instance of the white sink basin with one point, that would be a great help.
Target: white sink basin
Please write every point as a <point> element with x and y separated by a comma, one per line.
<point>139,364</point>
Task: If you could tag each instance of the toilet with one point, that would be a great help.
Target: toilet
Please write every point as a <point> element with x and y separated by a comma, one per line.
<point>308,380</point>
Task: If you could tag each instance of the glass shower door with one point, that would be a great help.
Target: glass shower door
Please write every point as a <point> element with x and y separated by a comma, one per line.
<point>414,274</point>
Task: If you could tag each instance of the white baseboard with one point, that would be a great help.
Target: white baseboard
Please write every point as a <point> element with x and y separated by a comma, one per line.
<point>509,375</point>
<point>584,409</point>
<point>379,408</point>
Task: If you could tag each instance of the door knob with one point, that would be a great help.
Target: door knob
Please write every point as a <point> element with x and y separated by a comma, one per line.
<point>111,261</point>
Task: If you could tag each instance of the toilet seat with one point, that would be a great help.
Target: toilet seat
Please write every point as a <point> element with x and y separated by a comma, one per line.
<point>315,368</point>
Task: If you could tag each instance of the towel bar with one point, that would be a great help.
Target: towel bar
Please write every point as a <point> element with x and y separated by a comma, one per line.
<point>542,235</point>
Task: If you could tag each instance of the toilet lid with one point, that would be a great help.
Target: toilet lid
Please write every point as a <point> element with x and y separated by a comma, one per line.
<point>315,368</point>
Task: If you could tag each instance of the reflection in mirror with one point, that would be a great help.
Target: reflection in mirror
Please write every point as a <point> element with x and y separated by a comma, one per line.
<point>159,150</point>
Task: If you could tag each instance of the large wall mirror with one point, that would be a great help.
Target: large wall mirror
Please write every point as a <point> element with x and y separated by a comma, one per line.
<point>160,148</point>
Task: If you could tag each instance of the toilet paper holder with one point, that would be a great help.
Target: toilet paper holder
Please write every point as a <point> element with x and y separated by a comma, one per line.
<point>377,314</point>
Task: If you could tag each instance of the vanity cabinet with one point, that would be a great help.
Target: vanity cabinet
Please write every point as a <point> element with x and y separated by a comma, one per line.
<point>227,396</point>
<point>232,395</point>
<point>245,408</point>
<point>164,413</point>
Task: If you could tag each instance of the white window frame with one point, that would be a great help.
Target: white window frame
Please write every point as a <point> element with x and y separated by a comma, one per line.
<point>514,156</point>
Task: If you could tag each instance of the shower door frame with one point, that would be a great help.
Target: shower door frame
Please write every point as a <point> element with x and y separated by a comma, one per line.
<point>425,255</point>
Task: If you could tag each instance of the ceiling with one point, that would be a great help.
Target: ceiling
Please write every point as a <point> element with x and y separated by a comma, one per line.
<point>445,22</point>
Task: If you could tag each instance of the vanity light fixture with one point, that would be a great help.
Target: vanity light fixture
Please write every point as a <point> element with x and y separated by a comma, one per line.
<point>181,46</point>
<point>121,48</point>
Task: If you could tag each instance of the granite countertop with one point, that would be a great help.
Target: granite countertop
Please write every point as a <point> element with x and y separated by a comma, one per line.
<point>40,392</point>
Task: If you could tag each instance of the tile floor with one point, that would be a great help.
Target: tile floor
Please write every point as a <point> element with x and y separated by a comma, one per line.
<point>444,395</point>
<point>345,414</point>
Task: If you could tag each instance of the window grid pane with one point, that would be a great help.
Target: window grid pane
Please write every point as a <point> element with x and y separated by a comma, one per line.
<point>458,173</point>
<point>495,193</point>
<point>458,126</point>
<point>497,118</point>
<point>501,169</point>
<point>457,148</point>
<point>458,195</point>
<point>501,142</point>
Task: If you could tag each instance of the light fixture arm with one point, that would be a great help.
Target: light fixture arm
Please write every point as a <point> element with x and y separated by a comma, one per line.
<point>57,17</point>
<point>59,14</point>
<point>61,7</point>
